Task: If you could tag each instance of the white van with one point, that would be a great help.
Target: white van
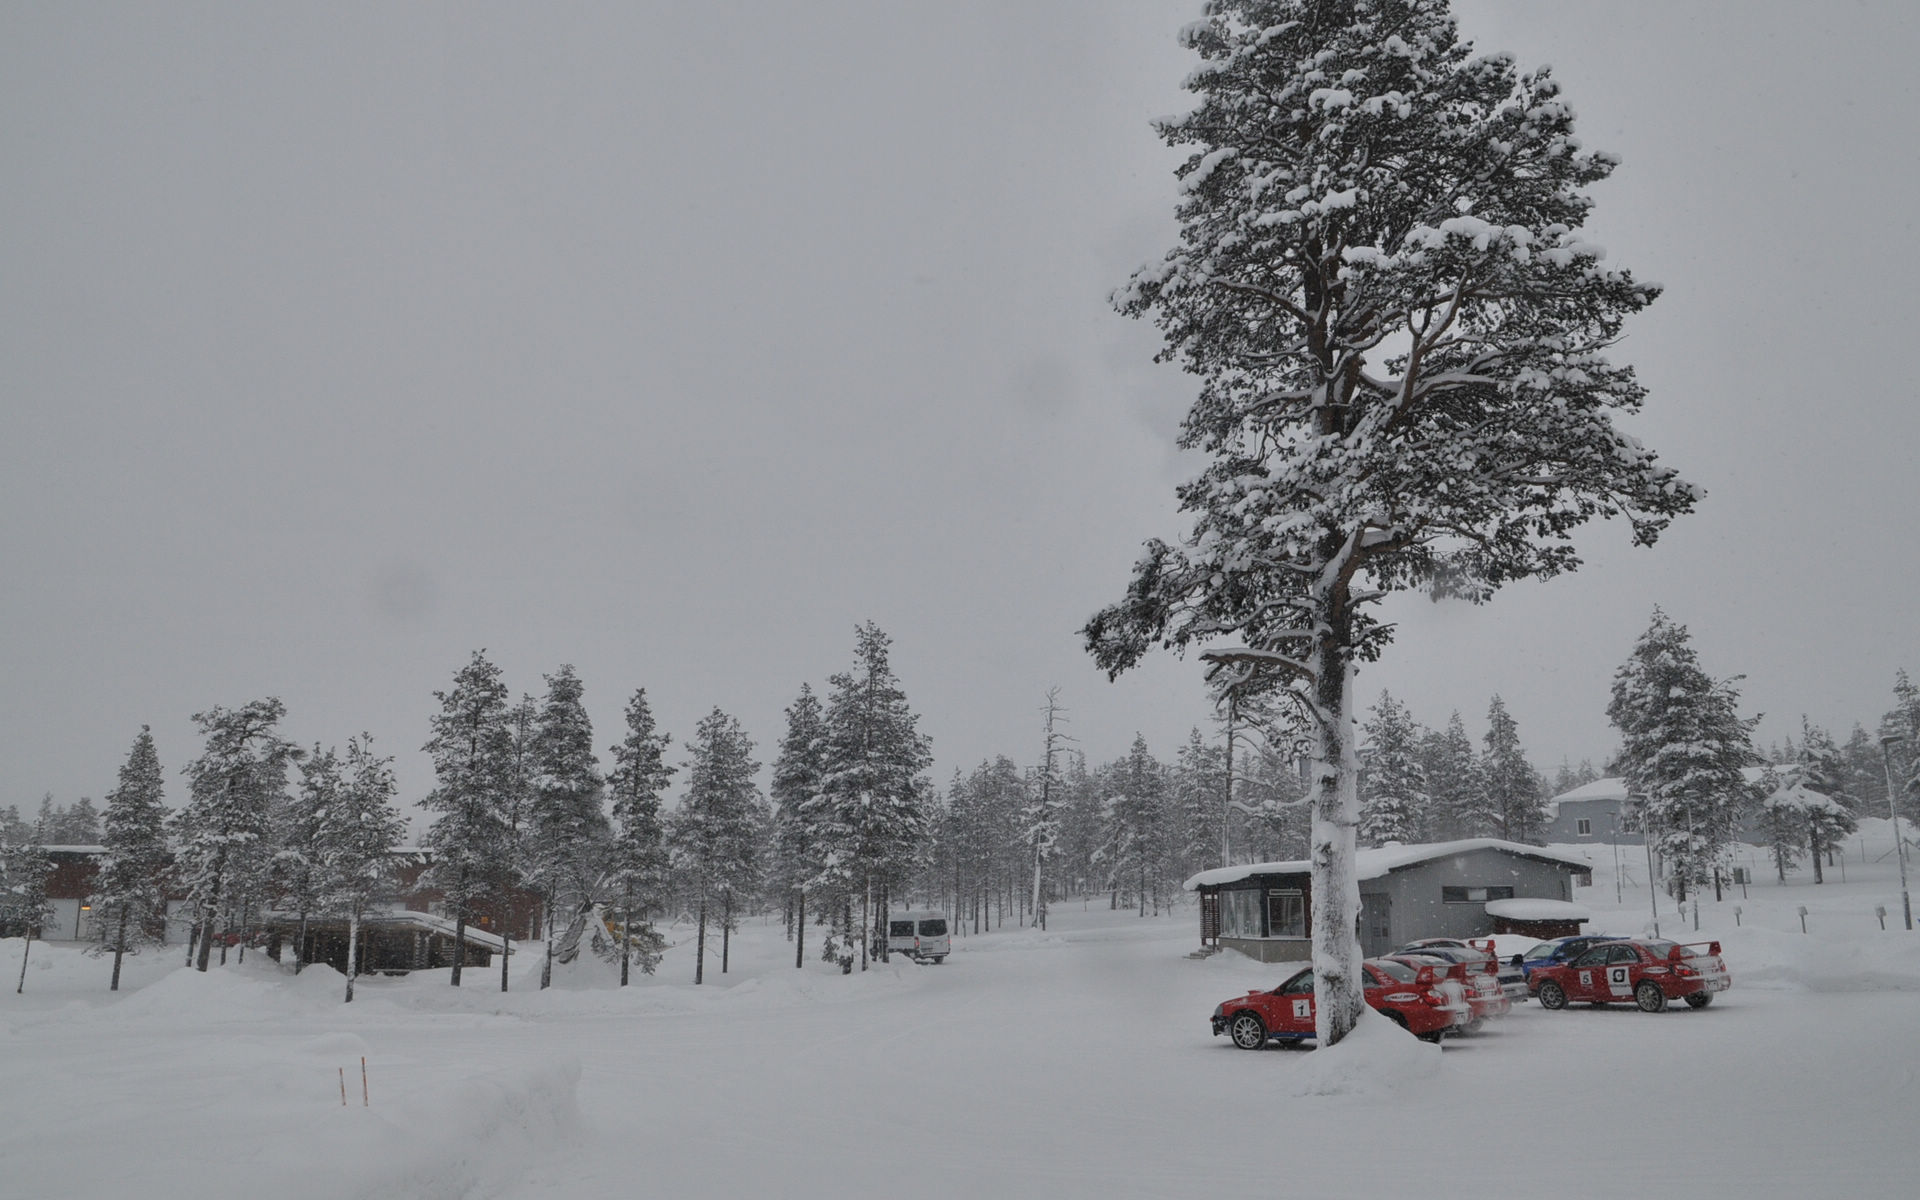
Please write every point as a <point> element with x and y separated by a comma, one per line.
<point>920,934</point>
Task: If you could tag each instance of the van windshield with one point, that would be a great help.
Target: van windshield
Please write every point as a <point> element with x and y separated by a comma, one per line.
<point>937,927</point>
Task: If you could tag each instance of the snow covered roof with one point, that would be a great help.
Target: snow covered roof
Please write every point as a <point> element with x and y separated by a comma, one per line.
<point>1374,862</point>
<point>404,918</point>
<point>1526,909</point>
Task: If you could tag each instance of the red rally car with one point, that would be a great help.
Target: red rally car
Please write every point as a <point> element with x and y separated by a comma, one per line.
<point>1411,997</point>
<point>1640,971</point>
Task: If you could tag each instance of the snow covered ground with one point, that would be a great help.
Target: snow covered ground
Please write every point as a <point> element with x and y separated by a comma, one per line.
<point>1075,1063</point>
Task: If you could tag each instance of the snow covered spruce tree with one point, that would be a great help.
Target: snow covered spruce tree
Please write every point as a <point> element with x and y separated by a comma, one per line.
<point>358,830</point>
<point>1401,339</point>
<point>1458,806</point>
<point>1508,780</point>
<point>716,832</point>
<point>797,772</point>
<point>472,749</point>
<point>129,899</point>
<point>1136,824</point>
<point>637,858</point>
<point>234,788</point>
<point>567,829</point>
<point>25,868</point>
<point>1683,748</point>
<point>1040,817</point>
<point>1393,801</point>
<point>873,798</point>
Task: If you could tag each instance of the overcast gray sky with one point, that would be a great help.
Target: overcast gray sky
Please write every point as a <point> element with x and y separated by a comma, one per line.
<point>673,341</point>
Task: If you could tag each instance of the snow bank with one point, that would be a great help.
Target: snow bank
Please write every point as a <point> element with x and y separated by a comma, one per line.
<point>1377,1058</point>
<point>1769,958</point>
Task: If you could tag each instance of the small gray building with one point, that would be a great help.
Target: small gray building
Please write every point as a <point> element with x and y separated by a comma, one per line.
<point>1593,814</point>
<point>1441,889</point>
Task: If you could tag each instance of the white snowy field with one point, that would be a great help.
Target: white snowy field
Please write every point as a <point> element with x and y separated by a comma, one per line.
<point>1072,1063</point>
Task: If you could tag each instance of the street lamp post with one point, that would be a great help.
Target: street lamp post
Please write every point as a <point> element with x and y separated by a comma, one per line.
<point>1893,810</point>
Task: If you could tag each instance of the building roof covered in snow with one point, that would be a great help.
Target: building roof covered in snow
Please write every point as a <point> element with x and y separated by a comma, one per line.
<point>1374,862</point>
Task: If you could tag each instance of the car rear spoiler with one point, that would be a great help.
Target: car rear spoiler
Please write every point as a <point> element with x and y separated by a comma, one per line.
<point>1674,954</point>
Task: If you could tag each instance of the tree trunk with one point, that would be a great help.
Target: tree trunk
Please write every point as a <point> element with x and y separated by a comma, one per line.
<point>866,929</point>
<point>211,914</point>
<point>800,930</point>
<point>300,945</point>
<point>546,965</point>
<point>119,949</point>
<point>1335,886</point>
<point>1813,844</point>
<point>21,987</point>
<point>726,931</point>
<point>700,946</point>
<point>353,951</point>
<point>846,929</point>
<point>881,916</point>
<point>626,933</point>
<point>460,930</point>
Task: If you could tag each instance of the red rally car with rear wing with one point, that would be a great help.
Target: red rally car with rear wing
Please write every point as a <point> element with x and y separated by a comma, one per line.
<point>1642,971</point>
<point>1411,997</point>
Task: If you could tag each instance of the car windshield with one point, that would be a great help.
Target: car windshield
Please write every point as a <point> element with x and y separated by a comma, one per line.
<point>1660,949</point>
<point>1397,971</point>
<point>1543,950</point>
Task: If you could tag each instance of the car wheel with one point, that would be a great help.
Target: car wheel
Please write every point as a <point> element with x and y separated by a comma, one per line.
<point>1552,995</point>
<point>1398,1018</point>
<point>1247,1032</point>
<point>1649,996</point>
<point>1699,999</point>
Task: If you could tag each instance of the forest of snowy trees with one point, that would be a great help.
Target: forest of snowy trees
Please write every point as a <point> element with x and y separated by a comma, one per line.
<point>849,823</point>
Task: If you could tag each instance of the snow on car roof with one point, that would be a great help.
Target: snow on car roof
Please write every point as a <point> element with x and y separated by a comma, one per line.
<point>1377,861</point>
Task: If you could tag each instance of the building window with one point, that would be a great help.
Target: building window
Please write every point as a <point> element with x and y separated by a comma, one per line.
<point>1240,913</point>
<point>1583,827</point>
<point>1474,895</point>
<point>1286,914</point>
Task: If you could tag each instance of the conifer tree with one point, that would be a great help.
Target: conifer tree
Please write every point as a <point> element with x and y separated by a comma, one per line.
<point>1511,785</point>
<point>1136,815</point>
<point>25,869</point>
<point>1040,821</point>
<point>567,826</point>
<point>1455,784</point>
<point>873,799</point>
<point>716,831</point>
<point>638,862</point>
<point>234,788</point>
<point>1393,800</point>
<point>472,749</point>
<point>129,897</point>
<point>798,771</point>
<point>360,829</point>
<point>1198,790</point>
<point>1683,749</point>
<point>1401,338</point>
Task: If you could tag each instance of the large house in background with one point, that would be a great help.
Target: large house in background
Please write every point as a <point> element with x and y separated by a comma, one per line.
<point>1440,889</point>
<point>1595,813</point>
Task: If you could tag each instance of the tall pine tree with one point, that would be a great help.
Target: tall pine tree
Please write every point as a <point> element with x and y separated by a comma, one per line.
<point>234,788</point>
<point>472,748</point>
<point>1511,785</point>
<point>567,825</point>
<point>129,901</point>
<point>637,858</point>
<point>1683,750</point>
<point>1402,342</point>
<point>1393,799</point>
<point>717,830</point>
